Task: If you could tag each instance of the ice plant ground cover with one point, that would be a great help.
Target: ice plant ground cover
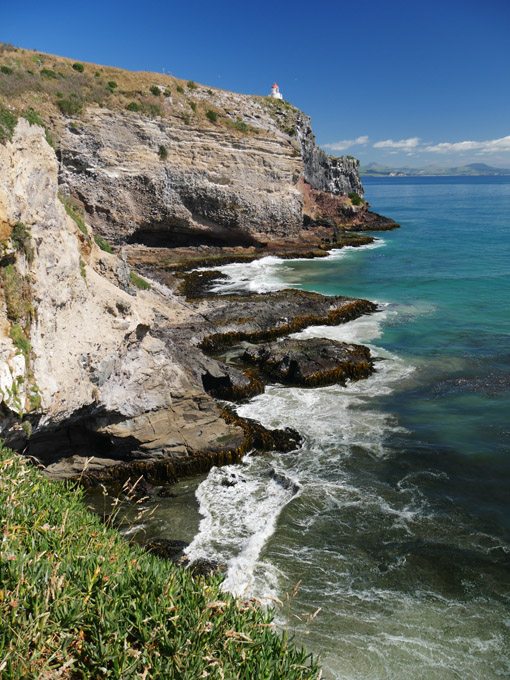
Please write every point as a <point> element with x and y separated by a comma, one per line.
<point>78,600</point>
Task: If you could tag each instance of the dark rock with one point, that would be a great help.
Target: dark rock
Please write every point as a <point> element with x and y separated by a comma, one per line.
<point>204,567</point>
<point>311,362</point>
<point>374,222</point>
<point>166,548</point>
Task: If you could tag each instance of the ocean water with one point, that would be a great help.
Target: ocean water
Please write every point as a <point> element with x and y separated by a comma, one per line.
<point>394,517</point>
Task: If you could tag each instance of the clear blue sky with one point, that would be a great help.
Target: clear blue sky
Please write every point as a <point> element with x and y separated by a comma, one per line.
<point>393,81</point>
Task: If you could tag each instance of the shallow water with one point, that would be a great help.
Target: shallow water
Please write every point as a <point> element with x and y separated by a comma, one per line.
<point>395,514</point>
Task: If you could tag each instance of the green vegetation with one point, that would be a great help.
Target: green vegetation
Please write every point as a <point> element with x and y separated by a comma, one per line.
<point>48,73</point>
<point>241,126</point>
<point>16,291</point>
<point>133,106</point>
<point>112,84</point>
<point>153,110</point>
<point>78,67</point>
<point>34,118</point>
<point>191,85</point>
<point>77,601</point>
<point>179,89</point>
<point>155,90</point>
<point>22,240</point>
<point>137,281</point>
<point>73,211</point>
<point>356,198</point>
<point>7,124</point>
<point>212,115</point>
<point>167,93</point>
<point>193,106</point>
<point>7,70</point>
<point>163,152</point>
<point>103,243</point>
<point>185,118</point>
<point>20,340</point>
<point>83,271</point>
<point>70,107</point>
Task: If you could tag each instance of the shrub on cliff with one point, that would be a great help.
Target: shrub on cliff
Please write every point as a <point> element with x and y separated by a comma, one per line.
<point>78,67</point>
<point>77,601</point>
<point>155,90</point>
<point>212,116</point>
<point>70,107</point>
<point>7,124</point>
<point>355,198</point>
<point>163,152</point>
<point>133,106</point>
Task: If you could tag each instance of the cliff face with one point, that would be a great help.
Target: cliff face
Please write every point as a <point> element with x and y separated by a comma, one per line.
<point>213,186</point>
<point>81,364</point>
<point>337,176</point>
<point>89,363</point>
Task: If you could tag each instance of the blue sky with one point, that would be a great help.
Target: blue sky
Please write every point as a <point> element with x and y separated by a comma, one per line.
<point>396,82</point>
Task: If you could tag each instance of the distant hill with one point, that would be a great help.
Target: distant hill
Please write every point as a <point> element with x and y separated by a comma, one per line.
<point>378,170</point>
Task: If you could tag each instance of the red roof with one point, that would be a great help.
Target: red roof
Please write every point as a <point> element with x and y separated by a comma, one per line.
<point>275,85</point>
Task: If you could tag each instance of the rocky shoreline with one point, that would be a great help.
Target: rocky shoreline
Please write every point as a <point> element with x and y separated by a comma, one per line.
<point>112,354</point>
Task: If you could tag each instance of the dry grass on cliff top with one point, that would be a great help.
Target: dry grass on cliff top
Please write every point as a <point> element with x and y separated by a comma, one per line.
<point>77,601</point>
<point>54,85</point>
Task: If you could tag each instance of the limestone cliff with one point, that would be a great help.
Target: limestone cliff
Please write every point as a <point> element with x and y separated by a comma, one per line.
<point>214,186</point>
<point>85,347</point>
<point>90,363</point>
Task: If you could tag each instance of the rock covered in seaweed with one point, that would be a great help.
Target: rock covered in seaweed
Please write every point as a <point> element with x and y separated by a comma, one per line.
<point>311,362</point>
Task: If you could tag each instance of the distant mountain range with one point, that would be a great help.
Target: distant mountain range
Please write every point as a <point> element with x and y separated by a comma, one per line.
<point>377,170</point>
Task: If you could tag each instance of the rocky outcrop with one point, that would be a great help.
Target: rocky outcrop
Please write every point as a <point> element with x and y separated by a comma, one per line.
<point>311,362</point>
<point>330,174</point>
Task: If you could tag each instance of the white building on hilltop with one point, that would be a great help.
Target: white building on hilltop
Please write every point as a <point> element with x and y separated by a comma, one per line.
<point>275,92</point>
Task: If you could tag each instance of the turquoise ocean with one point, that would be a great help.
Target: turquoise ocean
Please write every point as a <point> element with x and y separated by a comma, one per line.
<point>383,544</point>
<point>394,517</point>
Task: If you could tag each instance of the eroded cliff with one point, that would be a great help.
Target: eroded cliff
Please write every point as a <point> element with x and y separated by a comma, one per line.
<point>95,361</point>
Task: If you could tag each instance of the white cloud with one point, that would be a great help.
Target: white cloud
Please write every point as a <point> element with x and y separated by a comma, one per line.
<point>346,143</point>
<point>489,146</point>
<point>410,143</point>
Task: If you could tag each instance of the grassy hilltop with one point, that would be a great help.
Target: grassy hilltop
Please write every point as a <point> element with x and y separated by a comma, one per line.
<point>53,86</point>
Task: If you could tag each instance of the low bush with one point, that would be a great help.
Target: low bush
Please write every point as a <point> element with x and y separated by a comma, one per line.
<point>191,85</point>
<point>155,90</point>
<point>167,93</point>
<point>193,106</point>
<point>8,122</point>
<point>48,73</point>
<point>133,106</point>
<point>22,240</point>
<point>70,107</point>
<point>14,294</point>
<point>355,198</point>
<point>179,89</point>
<point>20,340</point>
<point>78,67</point>
<point>163,152</point>
<point>153,110</point>
<point>112,84</point>
<point>212,116</point>
<point>7,70</point>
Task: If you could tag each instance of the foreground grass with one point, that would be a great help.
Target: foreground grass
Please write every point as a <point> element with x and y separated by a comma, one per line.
<point>77,601</point>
